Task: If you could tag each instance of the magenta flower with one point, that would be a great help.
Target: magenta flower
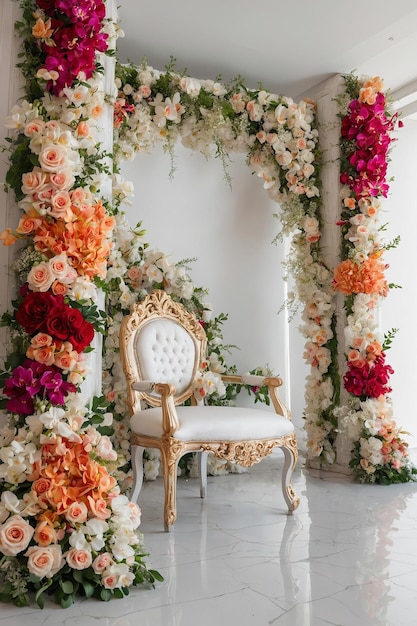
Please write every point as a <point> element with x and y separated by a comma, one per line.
<point>31,380</point>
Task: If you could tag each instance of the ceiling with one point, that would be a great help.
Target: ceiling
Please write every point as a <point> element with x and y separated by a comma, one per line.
<point>288,47</point>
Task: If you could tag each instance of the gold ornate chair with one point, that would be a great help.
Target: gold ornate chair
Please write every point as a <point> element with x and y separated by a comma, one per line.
<point>162,346</point>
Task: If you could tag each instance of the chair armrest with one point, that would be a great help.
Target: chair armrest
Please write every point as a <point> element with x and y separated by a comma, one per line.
<point>252,380</point>
<point>143,385</point>
<point>272,382</point>
<point>170,421</point>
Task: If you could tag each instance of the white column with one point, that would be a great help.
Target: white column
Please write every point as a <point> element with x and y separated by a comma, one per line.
<point>325,94</point>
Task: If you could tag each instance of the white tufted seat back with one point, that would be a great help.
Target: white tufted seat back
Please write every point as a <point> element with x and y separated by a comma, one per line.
<point>165,352</point>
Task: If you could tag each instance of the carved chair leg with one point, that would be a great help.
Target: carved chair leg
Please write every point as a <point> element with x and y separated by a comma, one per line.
<point>290,460</point>
<point>202,472</point>
<point>170,464</point>
<point>137,467</point>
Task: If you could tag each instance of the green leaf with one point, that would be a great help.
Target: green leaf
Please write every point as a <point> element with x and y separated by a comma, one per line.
<point>106,595</point>
<point>88,588</point>
<point>66,586</point>
<point>157,575</point>
<point>67,601</point>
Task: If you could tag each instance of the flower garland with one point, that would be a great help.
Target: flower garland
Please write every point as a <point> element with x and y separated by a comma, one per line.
<point>379,452</point>
<point>281,141</point>
<point>65,527</point>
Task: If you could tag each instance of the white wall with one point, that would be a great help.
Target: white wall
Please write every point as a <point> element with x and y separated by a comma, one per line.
<point>230,232</point>
<point>399,310</point>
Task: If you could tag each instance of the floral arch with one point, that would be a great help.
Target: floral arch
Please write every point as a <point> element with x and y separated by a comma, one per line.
<point>65,525</point>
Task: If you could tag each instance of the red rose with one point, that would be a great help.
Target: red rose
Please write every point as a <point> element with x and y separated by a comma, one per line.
<point>82,337</point>
<point>62,322</point>
<point>36,309</point>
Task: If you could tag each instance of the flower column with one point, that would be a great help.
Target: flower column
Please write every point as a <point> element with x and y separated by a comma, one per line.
<point>65,528</point>
<point>379,454</point>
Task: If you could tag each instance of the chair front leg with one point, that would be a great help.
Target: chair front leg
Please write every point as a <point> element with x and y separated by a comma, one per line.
<point>137,468</point>
<point>170,455</point>
<point>290,459</point>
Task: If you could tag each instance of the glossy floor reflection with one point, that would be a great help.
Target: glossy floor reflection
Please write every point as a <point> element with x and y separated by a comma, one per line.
<point>347,557</point>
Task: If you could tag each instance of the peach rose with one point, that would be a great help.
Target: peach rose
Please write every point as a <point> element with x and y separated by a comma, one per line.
<point>79,559</point>
<point>52,158</point>
<point>59,266</point>
<point>33,181</point>
<point>28,225</point>
<point>45,534</point>
<point>105,449</point>
<point>45,561</point>
<point>15,535</point>
<point>41,340</point>
<point>43,354</point>
<point>101,562</point>
<point>76,513</point>
<point>59,289</point>
<point>83,129</point>
<point>35,127</point>
<point>99,508</point>
<point>61,205</point>
<point>40,277</point>
<point>62,180</point>
<point>109,580</point>
<point>79,196</point>
<point>41,486</point>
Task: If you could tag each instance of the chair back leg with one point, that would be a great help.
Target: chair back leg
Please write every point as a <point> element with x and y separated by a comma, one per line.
<point>202,472</point>
<point>137,468</point>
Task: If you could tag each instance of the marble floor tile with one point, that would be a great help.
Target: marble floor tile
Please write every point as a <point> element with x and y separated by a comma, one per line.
<point>347,557</point>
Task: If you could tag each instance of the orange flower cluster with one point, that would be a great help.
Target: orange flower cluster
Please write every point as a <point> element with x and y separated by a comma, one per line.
<point>367,277</point>
<point>84,240</point>
<point>370,89</point>
<point>67,474</point>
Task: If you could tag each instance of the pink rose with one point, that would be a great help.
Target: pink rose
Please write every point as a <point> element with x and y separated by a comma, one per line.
<point>15,535</point>
<point>53,158</point>
<point>45,561</point>
<point>79,559</point>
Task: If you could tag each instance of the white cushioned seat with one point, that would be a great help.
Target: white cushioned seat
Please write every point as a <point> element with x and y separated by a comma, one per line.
<point>214,423</point>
